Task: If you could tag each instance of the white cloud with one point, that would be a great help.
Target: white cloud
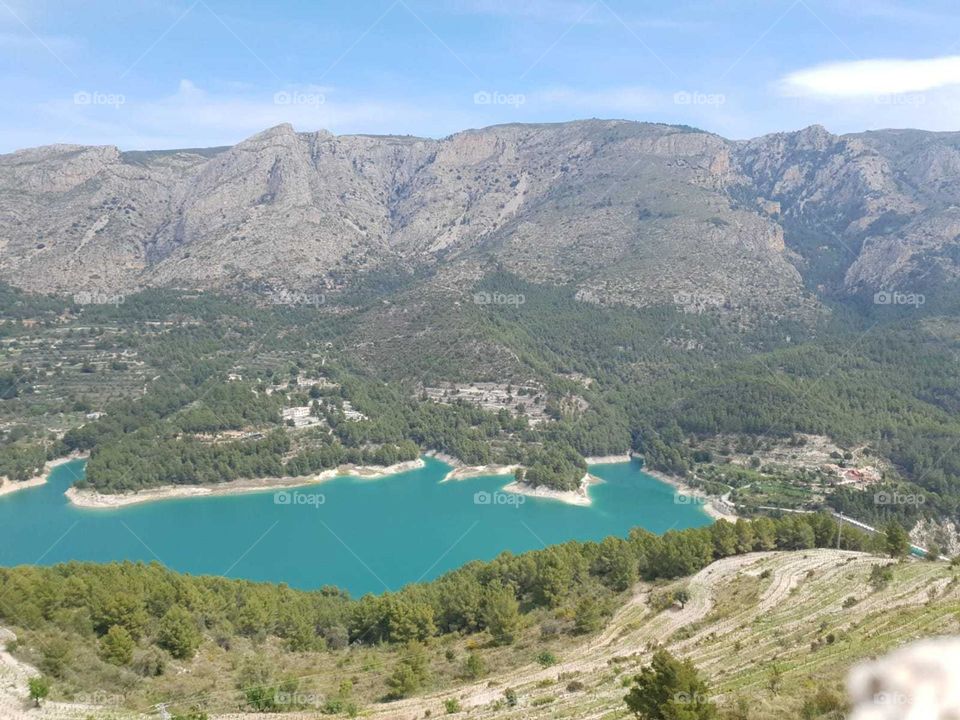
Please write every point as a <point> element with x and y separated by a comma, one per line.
<point>870,78</point>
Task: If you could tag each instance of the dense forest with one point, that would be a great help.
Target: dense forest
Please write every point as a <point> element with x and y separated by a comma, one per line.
<point>656,380</point>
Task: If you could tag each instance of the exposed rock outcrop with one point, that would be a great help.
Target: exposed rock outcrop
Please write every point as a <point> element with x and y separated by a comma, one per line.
<point>628,212</point>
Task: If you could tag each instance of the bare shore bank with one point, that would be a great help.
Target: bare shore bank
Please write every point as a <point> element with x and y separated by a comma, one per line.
<point>608,459</point>
<point>580,496</point>
<point>465,472</point>
<point>8,486</point>
<point>92,499</point>
<point>688,495</point>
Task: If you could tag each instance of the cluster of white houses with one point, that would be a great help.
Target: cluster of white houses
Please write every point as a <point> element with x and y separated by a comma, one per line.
<point>301,416</point>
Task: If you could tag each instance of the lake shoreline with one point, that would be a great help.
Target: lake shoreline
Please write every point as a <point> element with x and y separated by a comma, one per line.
<point>609,459</point>
<point>465,472</point>
<point>710,506</point>
<point>93,500</point>
<point>579,497</point>
<point>300,526</point>
<point>8,487</point>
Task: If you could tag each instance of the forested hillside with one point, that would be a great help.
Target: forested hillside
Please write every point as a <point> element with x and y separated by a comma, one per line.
<point>190,389</point>
<point>127,630</point>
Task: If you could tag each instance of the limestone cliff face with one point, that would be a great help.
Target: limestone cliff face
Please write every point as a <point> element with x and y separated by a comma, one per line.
<point>627,212</point>
<point>885,202</point>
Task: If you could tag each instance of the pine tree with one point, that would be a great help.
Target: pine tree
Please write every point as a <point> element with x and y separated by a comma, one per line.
<point>896,540</point>
<point>588,618</point>
<point>501,614</point>
<point>178,633</point>
<point>410,673</point>
<point>670,689</point>
<point>116,647</point>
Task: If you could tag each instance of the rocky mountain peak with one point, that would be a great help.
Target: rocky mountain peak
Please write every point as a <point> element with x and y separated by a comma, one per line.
<point>627,212</point>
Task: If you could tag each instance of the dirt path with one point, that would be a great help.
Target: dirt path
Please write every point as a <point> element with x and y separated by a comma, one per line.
<point>802,587</point>
<point>15,703</point>
<point>594,655</point>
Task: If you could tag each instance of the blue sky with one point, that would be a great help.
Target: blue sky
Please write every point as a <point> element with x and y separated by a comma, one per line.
<point>145,74</point>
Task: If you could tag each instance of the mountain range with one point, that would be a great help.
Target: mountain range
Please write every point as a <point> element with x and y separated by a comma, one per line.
<point>626,212</point>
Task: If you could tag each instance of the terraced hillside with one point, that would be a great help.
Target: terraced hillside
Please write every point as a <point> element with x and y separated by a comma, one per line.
<point>809,614</point>
<point>745,614</point>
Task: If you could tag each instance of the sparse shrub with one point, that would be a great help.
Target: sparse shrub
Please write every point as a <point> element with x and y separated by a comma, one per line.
<point>56,653</point>
<point>452,705</point>
<point>826,702</point>
<point>149,663</point>
<point>191,715</point>
<point>337,637</point>
<point>661,600</point>
<point>880,576</point>
<point>474,667</point>
<point>775,679</point>
<point>546,658</point>
<point>39,689</point>
<point>551,627</point>
<point>740,710</point>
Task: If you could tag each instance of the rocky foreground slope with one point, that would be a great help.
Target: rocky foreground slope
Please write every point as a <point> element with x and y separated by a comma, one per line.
<point>812,615</point>
<point>627,212</point>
